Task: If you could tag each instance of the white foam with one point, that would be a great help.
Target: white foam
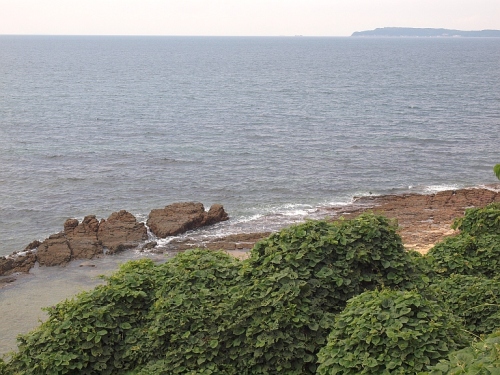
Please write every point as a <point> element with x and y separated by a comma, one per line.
<point>244,219</point>
<point>438,188</point>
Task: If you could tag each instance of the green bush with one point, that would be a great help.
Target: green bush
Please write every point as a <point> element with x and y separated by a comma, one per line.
<point>475,299</point>
<point>481,358</point>
<point>476,249</point>
<point>185,332</point>
<point>204,312</point>
<point>478,221</point>
<point>297,280</point>
<point>389,332</point>
<point>2,367</point>
<point>143,312</point>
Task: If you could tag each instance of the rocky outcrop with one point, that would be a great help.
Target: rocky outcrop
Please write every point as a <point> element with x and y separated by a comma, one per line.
<point>424,220</point>
<point>82,237</point>
<point>54,251</point>
<point>84,240</point>
<point>240,241</point>
<point>178,218</point>
<point>17,263</point>
<point>121,231</point>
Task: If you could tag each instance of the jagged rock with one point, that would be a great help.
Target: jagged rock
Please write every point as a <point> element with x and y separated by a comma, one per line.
<point>6,266</point>
<point>215,215</point>
<point>82,237</point>
<point>17,262</point>
<point>32,246</point>
<point>54,251</point>
<point>149,245</point>
<point>70,224</point>
<point>178,218</point>
<point>121,231</point>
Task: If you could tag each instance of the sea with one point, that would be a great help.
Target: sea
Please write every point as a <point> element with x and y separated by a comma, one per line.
<point>272,128</point>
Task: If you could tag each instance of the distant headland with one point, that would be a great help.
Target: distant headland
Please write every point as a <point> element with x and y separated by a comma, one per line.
<point>426,33</point>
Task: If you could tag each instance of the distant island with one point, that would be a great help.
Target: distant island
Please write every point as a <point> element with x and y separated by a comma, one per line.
<point>426,33</point>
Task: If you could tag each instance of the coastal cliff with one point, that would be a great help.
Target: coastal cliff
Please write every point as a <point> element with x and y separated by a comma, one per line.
<point>425,32</point>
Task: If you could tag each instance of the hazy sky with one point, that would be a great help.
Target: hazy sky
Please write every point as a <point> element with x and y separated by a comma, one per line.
<point>240,17</point>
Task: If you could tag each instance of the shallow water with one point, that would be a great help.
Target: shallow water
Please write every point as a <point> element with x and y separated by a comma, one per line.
<point>21,302</point>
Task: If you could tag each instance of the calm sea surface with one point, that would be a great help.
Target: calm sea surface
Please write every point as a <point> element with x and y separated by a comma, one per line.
<point>270,127</point>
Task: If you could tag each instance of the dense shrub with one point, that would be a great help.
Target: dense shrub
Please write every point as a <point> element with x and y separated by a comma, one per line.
<point>476,250</point>
<point>477,221</point>
<point>297,280</point>
<point>389,332</point>
<point>186,333</point>
<point>481,358</point>
<point>204,312</point>
<point>475,299</point>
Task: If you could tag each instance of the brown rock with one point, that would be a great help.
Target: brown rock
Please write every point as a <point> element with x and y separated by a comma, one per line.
<point>19,261</point>
<point>54,251</point>
<point>215,215</point>
<point>82,237</point>
<point>6,266</point>
<point>121,231</point>
<point>425,220</point>
<point>178,218</point>
<point>33,245</point>
<point>24,262</point>
<point>70,224</point>
<point>149,246</point>
<point>240,241</point>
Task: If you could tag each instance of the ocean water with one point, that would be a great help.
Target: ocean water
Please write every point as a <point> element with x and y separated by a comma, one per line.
<point>272,128</point>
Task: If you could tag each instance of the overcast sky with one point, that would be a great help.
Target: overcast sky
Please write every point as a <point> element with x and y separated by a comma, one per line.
<point>240,17</point>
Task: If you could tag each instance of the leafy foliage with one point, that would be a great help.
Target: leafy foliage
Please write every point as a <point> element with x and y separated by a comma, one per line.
<point>481,358</point>
<point>476,250</point>
<point>475,299</point>
<point>205,313</point>
<point>297,280</point>
<point>185,331</point>
<point>281,306</point>
<point>496,170</point>
<point>389,332</point>
<point>480,221</point>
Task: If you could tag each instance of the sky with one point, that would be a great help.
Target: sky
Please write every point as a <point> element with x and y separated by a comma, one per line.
<point>240,17</point>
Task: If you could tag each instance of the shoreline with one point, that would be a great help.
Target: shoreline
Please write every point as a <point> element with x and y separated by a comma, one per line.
<point>424,219</point>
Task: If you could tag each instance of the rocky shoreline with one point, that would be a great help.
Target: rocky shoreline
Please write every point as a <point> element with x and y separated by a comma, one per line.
<point>93,238</point>
<point>423,221</point>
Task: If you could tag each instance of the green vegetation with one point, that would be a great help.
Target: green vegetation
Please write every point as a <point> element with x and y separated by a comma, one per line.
<point>496,169</point>
<point>344,296</point>
<point>390,332</point>
<point>476,250</point>
<point>475,299</point>
<point>481,358</point>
